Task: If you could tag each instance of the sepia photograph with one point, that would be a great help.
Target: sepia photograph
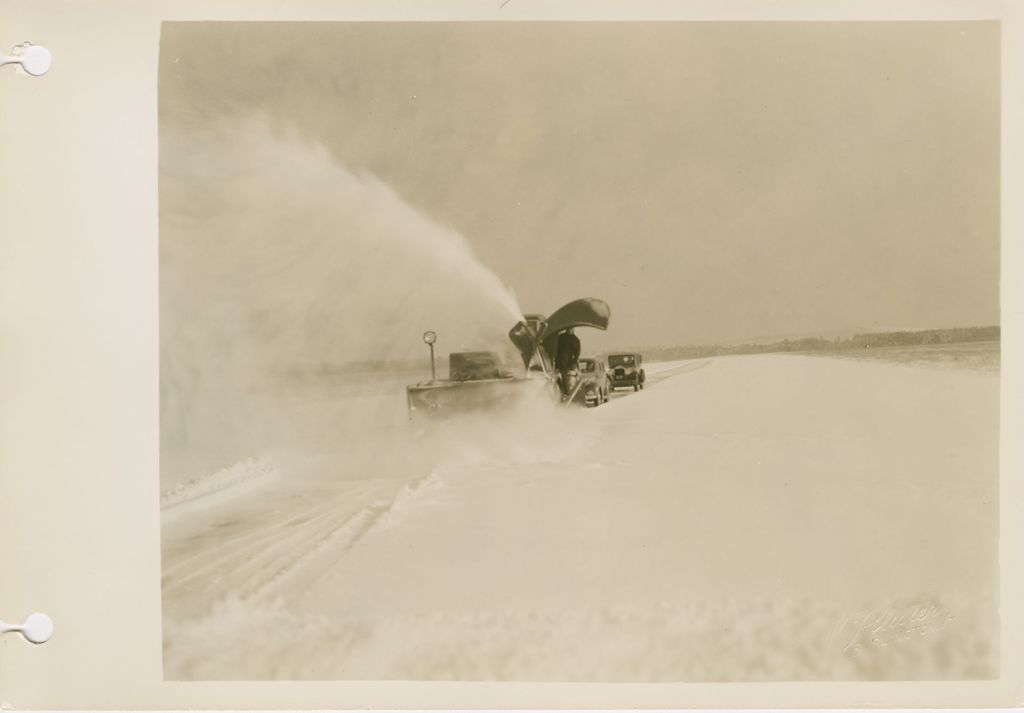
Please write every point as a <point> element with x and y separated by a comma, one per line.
<point>622,352</point>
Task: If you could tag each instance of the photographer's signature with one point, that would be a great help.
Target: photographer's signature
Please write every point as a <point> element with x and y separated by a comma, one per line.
<point>891,625</point>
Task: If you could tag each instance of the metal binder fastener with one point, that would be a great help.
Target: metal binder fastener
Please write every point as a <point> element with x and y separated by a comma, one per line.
<point>37,628</point>
<point>35,60</point>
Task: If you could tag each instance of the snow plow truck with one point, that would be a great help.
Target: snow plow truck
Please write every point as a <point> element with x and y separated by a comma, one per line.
<point>479,382</point>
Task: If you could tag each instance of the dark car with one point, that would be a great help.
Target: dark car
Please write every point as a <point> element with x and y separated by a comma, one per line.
<point>594,387</point>
<point>626,370</point>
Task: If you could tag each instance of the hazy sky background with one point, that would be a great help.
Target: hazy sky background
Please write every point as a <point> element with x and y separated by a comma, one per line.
<point>714,182</point>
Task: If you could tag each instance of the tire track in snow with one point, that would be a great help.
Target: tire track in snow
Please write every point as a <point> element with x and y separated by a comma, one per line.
<point>337,542</point>
<point>676,370</point>
<point>246,548</point>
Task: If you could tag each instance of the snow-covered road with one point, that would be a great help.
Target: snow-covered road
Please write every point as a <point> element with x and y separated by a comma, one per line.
<point>769,517</point>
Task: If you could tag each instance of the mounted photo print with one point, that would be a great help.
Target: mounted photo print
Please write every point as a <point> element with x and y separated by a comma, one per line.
<point>715,388</point>
<point>510,354</point>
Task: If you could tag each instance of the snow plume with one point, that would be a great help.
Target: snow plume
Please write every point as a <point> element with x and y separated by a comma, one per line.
<point>279,267</point>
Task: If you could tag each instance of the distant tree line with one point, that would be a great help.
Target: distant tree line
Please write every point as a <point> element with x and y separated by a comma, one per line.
<point>668,353</point>
<point>871,340</point>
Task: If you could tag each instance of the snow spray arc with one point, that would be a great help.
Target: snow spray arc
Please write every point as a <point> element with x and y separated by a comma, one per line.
<point>275,259</point>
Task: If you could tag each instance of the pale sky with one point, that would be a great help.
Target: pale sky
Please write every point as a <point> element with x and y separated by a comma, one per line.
<point>714,182</point>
